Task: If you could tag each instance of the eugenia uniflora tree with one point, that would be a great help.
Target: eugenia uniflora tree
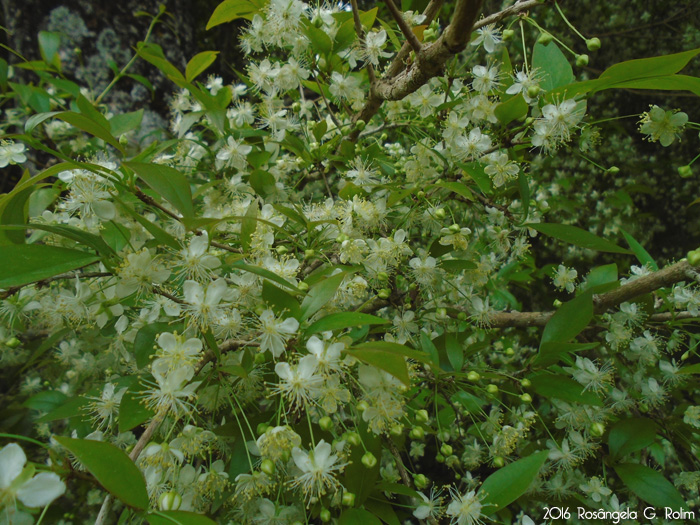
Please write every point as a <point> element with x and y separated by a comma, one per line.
<point>315,301</point>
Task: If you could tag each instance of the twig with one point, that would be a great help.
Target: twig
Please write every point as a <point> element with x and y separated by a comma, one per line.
<point>411,38</point>
<point>87,275</point>
<point>361,36</point>
<point>515,9</point>
<point>159,291</point>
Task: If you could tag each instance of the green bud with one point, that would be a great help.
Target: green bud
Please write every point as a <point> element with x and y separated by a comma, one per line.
<point>308,254</point>
<point>532,92</point>
<point>525,382</point>
<point>169,501</point>
<point>498,461</point>
<point>582,60</point>
<point>440,213</point>
<point>260,358</point>
<point>383,137</point>
<point>303,286</point>
<point>526,398</point>
<point>593,44</point>
<point>282,250</point>
<point>685,356</point>
<point>422,416</point>
<point>322,63</point>
<point>13,342</point>
<point>341,238</point>
<point>326,423</point>
<point>420,194</point>
<point>529,121</point>
<point>508,34</point>
<point>613,170</point>
<point>416,433</point>
<point>446,449</point>
<point>441,313</point>
<point>473,376</point>
<point>268,467</point>
<point>510,351</point>
<point>384,293</point>
<point>348,499</point>
<point>317,21</point>
<point>421,481</point>
<point>360,125</point>
<point>325,515</point>
<point>123,140</point>
<point>557,303</point>
<point>597,429</point>
<point>369,460</point>
<point>440,458</point>
<point>296,107</point>
<point>397,430</point>
<point>492,389</point>
<point>694,258</point>
<point>462,316</point>
<point>262,428</point>
<point>383,276</point>
<point>362,406</point>
<point>545,38</point>
<point>685,171</point>
<point>455,228</point>
<point>353,438</point>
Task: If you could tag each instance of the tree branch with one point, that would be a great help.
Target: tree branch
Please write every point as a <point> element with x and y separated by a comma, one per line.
<point>361,36</point>
<point>410,36</point>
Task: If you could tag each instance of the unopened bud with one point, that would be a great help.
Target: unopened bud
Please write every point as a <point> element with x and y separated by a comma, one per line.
<point>13,342</point>
<point>694,257</point>
<point>422,416</point>
<point>360,125</point>
<point>532,92</point>
<point>613,170</point>
<point>326,423</point>
<point>525,382</point>
<point>353,438</point>
<point>325,515</point>
<point>685,171</point>
<point>597,429</point>
<point>498,461</point>
<point>446,449</point>
<point>416,433</point>
<point>384,293</point>
<point>526,398</point>
<point>362,406</point>
<point>123,140</point>
<point>492,389</point>
<point>348,499</point>
<point>421,481</point>
<point>508,34</point>
<point>582,60</point>
<point>268,467</point>
<point>281,250</point>
<point>369,460</point>
<point>473,376</point>
<point>593,44</point>
<point>440,213</point>
<point>303,286</point>
<point>455,228</point>
<point>169,501</point>
<point>545,38</point>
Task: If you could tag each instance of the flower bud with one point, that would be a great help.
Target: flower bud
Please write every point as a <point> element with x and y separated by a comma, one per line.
<point>322,63</point>
<point>582,60</point>
<point>397,430</point>
<point>169,501</point>
<point>597,429</point>
<point>416,433</point>
<point>498,461</point>
<point>308,254</point>
<point>383,276</point>
<point>13,342</point>
<point>369,460</point>
<point>325,515</point>
<point>268,467</point>
<point>473,376</point>
<point>525,382</point>
<point>526,398</point>
<point>462,316</point>
<point>123,140</point>
<point>593,44</point>
<point>260,358</point>
<point>360,125</point>
<point>362,406</point>
<point>421,481</point>
<point>446,449</point>
<point>383,137</point>
<point>492,389</point>
<point>262,428</point>
<point>508,34</point>
<point>455,228</point>
<point>510,351</point>
<point>545,38</point>
<point>303,286</point>
<point>353,438</point>
<point>441,313</point>
<point>557,303</point>
<point>384,293</point>
<point>420,194</point>
<point>440,458</point>
<point>532,92</point>
<point>613,170</point>
<point>281,250</point>
<point>694,257</point>
<point>440,213</point>
<point>326,423</point>
<point>422,416</point>
<point>685,171</point>
<point>348,499</point>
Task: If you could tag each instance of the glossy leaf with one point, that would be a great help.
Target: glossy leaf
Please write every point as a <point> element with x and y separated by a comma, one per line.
<point>577,237</point>
<point>639,251</point>
<point>132,412</point>
<point>512,109</point>
<point>262,272</point>
<point>630,435</point>
<point>230,10</point>
<point>342,320</point>
<point>319,294</point>
<point>358,517</point>
<point>125,122</point>
<point>168,182</point>
<point>112,468</point>
<point>280,301</point>
<point>178,517</point>
<point>454,351</point>
<point>555,67</point>
<point>650,485</point>
<point>145,341</point>
<point>199,63</point>
<point>507,484</point>
<point>564,388</point>
<point>649,67</point>
<point>390,362</point>
<point>569,320</point>
<point>27,263</point>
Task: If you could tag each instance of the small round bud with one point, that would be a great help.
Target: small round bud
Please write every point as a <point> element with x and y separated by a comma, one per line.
<point>421,481</point>
<point>362,406</point>
<point>262,428</point>
<point>322,63</point>
<point>348,499</point>
<point>341,238</point>
<point>446,449</point>
<point>582,60</point>
<point>308,254</point>
<point>416,433</point>
<point>685,171</point>
<point>325,515</point>
<point>260,358</point>
<point>440,458</point>
<point>694,257</point>
<point>510,351</point>
<point>420,194</point>
<point>613,170</point>
<point>529,121</point>
<point>498,461</point>
<point>369,460</point>
<point>532,92</point>
<point>169,501</point>
<point>525,382</point>
<point>545,38</point>
<point>383,276</point>
<point>526,398</point>
<point>508,34</point>
<point>644,408</point>
<point>296,107</point>
<point>440,213</point>
<point>685,356</point>
<point>383,137</point>
<point>326,423</point>
<point>397,430</point>
<point>422,416</point>
<point>268,467</point>
<point>473,376</point>
<point>455,228</point>
<point>441,313</point>
<point>444,435</point>
<point>597,429</point>
<point>303,286</point>
<point>462,316</point>
<point>557,303</point>
<point>360,125</point>
<point>492,389</point>
<point>282,250</point>
<point>384,293</point>
<point>593,44</point>
<point>13,342</point>
<point>353,438</point>
<point>123,140</point>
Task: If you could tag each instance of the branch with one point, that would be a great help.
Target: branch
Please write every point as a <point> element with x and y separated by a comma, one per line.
<point>602,302</point>
<point>516,8</point>
<point>87,275</point>
<point>361,36</point>
<point>411,38</point>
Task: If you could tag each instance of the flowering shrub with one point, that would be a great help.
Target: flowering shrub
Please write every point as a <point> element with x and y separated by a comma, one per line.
<point>316,301</point>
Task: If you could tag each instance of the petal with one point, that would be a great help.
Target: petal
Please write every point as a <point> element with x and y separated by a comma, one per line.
<point>12,460</point>
<point>41,490</point>
<point>104,210</point>
<point>167,341</point>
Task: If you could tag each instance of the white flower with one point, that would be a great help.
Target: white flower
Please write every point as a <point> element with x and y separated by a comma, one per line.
<point>233,154</point>
<point>176,352</point>
<point>275,332</point>
<point>489,36</point>
<point>18,482</point>
<point>565,278</point>
<point>11,153</point>
<point>425,99</point>
<point>465,509</point>
<point>471,146</point>
<point>374,45</point>
<point>196,262</point>
<point>203,303</point>
<point>523,82</point>
<point>362,174</point>
<point>318,469</point>
<point>662,126</point>
<point>485,78</point>
<point>172,392</point>
<point>328,356</point>
<point>500,168</point>
<point>300,383</point>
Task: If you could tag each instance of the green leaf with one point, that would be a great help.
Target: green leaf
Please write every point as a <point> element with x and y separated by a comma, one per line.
<point>168,182</point>
<point>630,435</point>
<point>13,210</point>
<point>648,67</point>
<point>319,130</point>
<point>248,225</point>
<point>342,320</point>
<point>153,54</point>
<point>395,348</point>
<point>145,341</point>
<point>46,401</point>
<point>71,408</point>
<point>507,484</point>
<point>650,486</point>
<point>263,182</point>
<point>454,351</point>
<point>383,510</point>
<point>602,279</point>
<point>390,362</point>
<point>132,412</point>
<point>125,122</point>
<point>70,232</point>
<point>320,41</point>
<point>569,320</point>
<point>512,109</point>
<point>112,468</point>
<point>577,237</point>
<point>458,188</point>
<point>319,294</point>
<point>666,83</point>
<point>358,517</point>
<point>158,233</point>
<point>553,351</point>
<point>77,120</point>
<point>639,251</point>
<point>231,10</point>
<point>457,265</point>
<point>86,108</point>
<point>262,272</point>
<point>27,263</point>
<point>564,388</point>
<point>49,44</point>
<point>199,63</point>
<point>478,175</point>
<point>178,517</point>
<point>280,301</point>
<point>555,67</point>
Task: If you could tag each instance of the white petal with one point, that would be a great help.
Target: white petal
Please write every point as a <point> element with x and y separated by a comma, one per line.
<point>104,210</point>
<point>41,490</point>
<point>12,460</point>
